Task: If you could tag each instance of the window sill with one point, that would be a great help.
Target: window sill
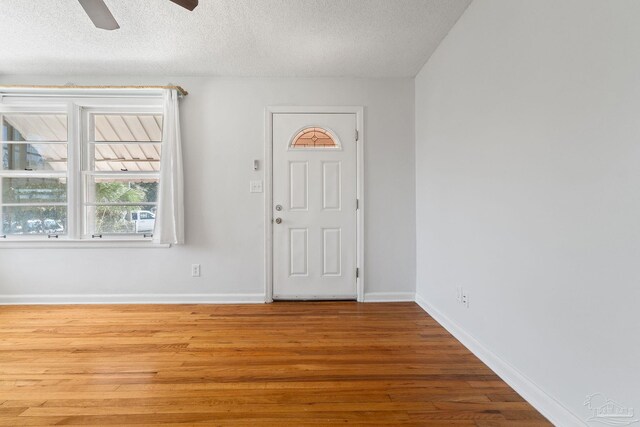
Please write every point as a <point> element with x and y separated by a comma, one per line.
<point>74,244</point>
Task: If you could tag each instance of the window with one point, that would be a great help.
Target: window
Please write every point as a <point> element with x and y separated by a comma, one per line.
<point>33,175</point>
<point>313,137</point>
<point>75,169</point>
<point>122,155</point>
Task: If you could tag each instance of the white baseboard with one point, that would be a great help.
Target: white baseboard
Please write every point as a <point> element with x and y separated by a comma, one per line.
<point>132,299</point>
<point>172,298</point>
<point>389,296</point>
<point>557,413</point>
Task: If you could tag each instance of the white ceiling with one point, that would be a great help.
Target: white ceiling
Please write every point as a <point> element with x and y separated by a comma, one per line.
<point>302,38</point>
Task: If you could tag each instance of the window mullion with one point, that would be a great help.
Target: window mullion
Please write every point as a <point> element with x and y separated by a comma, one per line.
<point>73,170</point>
<point>2,230</point>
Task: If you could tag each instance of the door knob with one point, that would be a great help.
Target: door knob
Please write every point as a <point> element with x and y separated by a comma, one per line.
<point>278,220</point>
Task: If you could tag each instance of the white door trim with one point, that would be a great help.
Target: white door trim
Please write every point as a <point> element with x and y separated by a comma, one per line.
<point>268,188</point>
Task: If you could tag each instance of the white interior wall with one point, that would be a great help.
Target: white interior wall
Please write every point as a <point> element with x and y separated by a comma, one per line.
<point>528,191</point>
<point>223,132</point>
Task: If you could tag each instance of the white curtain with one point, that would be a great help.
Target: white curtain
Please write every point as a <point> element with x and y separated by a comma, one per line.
<point>169,227</point>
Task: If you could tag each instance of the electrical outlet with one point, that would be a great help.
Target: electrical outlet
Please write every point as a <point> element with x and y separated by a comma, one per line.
<point>465,299</point>
<point>195,270</point>
<point>462,297</point>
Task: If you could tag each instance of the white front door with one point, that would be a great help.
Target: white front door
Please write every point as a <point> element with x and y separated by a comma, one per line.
<point>314,206</point>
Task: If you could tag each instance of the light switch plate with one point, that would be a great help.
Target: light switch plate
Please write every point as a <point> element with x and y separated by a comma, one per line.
<point>255,186</point>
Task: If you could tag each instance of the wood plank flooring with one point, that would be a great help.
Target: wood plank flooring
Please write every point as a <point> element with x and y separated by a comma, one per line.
<point>281,364</point>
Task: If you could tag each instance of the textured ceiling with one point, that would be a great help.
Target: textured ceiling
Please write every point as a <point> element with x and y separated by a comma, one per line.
<point>302,38</point>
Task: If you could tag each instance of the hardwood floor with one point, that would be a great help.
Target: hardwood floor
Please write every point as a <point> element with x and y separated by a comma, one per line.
<point>275,364</point>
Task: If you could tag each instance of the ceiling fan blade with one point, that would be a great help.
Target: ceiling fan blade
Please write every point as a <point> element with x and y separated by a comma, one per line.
<point>99,14</point>
<point>187,4</point>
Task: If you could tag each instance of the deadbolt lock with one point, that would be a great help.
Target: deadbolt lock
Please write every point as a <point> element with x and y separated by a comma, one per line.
<point>278,207</point>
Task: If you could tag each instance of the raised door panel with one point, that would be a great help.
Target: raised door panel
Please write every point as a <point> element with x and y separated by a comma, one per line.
<point>331,185</point>
<point>299,185</point>
<point>298,252</point>
<point>331,252</point>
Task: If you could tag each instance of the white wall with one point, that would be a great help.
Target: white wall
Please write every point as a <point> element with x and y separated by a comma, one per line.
<point>528,190</point>
<point>223,131</point>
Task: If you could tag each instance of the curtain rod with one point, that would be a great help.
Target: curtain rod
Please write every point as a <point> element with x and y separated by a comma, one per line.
<point>179,89</point>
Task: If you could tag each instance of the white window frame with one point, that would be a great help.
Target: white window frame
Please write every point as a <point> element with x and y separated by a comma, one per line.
<point>88,140</point>
<point>44,110</point>
<point>78,106</point>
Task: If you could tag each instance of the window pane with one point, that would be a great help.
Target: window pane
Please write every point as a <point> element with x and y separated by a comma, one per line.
<point>121,219</point>
<point>34,190</point>
<point>34,220</point>
<point>128,157</point>
<point>51,157</point>
<point>34,127</point>
<point>128,127</point>
<point>124,190</point>
<point>313,138</point>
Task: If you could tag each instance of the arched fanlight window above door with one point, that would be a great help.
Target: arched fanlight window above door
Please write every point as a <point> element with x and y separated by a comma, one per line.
<point>314,137</point>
